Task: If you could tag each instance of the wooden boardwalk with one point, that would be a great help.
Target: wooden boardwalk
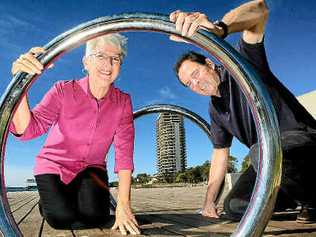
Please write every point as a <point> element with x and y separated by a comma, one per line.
<point>162,212</point>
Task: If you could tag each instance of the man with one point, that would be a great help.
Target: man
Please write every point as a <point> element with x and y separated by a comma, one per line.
<point>231,115</point>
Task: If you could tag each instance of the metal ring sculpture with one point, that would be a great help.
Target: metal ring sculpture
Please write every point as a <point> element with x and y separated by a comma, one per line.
<point>261,204</point>
<point>159,108</point>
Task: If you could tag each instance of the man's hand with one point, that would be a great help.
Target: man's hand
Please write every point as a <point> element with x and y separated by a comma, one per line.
<point>125,220</point>
<point>209,210</point>
<point>189,22</point>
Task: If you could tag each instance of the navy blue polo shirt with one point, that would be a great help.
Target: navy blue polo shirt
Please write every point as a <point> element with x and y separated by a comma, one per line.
<point>230,114</point>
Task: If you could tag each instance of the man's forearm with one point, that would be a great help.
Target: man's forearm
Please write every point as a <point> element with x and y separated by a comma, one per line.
<point>246,16</point>
<point>124,186</point>
<point>217,173</point>
<point>22,116</point>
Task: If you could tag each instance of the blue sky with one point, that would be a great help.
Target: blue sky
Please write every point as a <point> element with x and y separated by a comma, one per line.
<point>147,71</point>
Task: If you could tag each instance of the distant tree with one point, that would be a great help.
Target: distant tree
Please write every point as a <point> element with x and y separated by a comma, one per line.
<point>232,163</point>
<point>194,174</point>
<point>181,177</point>
<point>205,170</point>
<point>189,175</point>
<point>245,164</point>
<point>143,178</point>
<point>167,177</point>
<point>114,184</point>
<point>197,174</point>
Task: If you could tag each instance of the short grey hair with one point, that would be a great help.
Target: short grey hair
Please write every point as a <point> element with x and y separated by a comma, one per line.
<point>115,39</point>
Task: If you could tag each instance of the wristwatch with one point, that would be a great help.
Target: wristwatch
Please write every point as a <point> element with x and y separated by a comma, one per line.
<point>223,26</point>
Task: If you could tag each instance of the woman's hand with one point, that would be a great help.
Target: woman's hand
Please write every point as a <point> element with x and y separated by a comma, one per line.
<point>28,63</point>
<point>125,220</point>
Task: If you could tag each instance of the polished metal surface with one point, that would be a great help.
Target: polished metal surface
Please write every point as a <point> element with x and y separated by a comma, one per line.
<point>195,118</point>
<point>269,170</point>
<point>159,108</point>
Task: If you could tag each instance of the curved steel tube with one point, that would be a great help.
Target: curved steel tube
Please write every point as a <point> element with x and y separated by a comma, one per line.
<point>159,108</point>
<point>269,168</point>
<point>195,118</point>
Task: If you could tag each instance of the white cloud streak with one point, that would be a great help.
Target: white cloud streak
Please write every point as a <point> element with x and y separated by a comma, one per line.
<point>15,176</point>
<point>165,95</point>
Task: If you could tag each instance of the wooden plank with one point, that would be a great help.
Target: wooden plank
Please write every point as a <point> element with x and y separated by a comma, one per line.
<point>48,231</point>
<point>96,232</point>
<point>153,230</point>
<point>147,229</point>
<point>21,213</point>
<point>104,230</point>
<point>222,225</point>
<point>27,202</point>
<point>31,225</point>
<point>90,233</point>
<point>156,230</point>
<point>18,198</point>
<point>172,225</point>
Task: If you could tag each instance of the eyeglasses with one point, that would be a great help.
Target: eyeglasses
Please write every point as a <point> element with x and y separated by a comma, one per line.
<point>101,58</point>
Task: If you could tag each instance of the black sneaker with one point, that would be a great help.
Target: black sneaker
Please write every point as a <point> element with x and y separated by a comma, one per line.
<point>307,215</point>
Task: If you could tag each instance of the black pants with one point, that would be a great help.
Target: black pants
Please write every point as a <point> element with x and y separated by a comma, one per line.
<point>83,201</point>
<point>298,174</point>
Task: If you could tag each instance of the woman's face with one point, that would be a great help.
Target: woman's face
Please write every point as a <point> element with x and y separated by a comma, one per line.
<point>104,64</point>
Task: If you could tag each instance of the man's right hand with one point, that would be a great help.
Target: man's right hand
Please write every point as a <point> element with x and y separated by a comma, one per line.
<point>217,172</point>
<point>189,22</point>
<point>209,210</point>
<point>28,62</point>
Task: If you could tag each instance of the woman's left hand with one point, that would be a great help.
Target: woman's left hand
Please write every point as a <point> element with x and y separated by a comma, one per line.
<point>125,220</point>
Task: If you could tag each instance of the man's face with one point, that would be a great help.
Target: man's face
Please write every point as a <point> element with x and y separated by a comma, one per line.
<point>103,64</point>
<point>202,79</point>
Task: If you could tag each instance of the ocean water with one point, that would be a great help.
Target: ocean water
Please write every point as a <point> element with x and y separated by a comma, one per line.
<point>20,189</point>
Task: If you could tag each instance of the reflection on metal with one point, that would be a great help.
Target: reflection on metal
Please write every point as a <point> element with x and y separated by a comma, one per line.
<point>160,108</point>
<point>195,118</point>
<point>269,169</point>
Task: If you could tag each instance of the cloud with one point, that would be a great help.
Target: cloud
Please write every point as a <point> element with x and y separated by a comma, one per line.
<point>15,176</point>
<point>8,26</point>
<point>166,95</point>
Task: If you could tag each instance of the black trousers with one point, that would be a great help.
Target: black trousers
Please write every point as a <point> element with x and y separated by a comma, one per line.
<point>84,202</point>
<point>298,174</point>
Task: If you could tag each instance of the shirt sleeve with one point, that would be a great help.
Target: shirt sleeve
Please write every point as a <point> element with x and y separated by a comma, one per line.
<point>124,139</point>
<point>43,115</point>
<point>220,137</point>
<point>255,54</point>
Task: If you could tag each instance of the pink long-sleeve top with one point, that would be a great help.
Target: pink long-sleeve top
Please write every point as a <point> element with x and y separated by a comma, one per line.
<point>81,129</point>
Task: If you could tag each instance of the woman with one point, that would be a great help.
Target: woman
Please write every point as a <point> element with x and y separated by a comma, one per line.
<point>84,117</point>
